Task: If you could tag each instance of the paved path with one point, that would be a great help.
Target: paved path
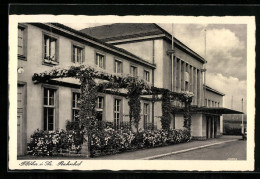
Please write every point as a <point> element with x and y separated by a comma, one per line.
<point>160,151</point>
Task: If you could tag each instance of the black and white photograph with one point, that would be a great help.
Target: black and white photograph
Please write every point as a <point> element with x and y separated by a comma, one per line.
<point>131,93</point>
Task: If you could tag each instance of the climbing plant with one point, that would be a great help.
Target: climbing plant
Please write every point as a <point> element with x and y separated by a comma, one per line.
<point>134,86</point>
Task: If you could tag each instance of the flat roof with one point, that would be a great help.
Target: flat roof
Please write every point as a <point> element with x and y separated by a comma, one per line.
<point>209,110</point>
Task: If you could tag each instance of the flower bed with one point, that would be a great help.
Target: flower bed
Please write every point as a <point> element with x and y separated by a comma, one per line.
<point>103,142</point>
<point>110,141</point>
<point>48,143</point>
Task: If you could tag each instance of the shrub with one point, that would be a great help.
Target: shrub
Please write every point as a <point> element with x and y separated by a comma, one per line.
<point>45,143</point>
<point>110,141</point>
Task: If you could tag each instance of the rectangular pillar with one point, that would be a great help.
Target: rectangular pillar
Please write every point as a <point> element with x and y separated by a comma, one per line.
<point>195,86</point>
<point>191,78</point>
<point>183,76</point>
<point>199,87</point>
<point>179,75</point>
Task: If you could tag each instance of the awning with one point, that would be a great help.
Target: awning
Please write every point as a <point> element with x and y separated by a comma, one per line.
<point>208,110</point>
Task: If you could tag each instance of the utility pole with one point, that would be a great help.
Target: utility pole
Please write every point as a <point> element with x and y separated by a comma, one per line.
<point>242,129</point>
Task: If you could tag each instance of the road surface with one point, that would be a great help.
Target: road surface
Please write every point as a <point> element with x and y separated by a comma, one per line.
<point>228,151</point>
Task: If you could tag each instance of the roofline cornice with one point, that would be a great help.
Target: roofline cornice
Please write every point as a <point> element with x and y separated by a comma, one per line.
<point>153,66</point>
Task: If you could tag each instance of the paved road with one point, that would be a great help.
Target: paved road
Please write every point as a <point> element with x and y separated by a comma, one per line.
<point>228,151</point>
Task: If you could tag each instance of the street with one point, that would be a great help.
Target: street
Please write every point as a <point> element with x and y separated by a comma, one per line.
<point>227,151</point>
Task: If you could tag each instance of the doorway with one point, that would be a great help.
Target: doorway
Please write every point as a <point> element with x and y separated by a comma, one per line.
<point>21,118</point>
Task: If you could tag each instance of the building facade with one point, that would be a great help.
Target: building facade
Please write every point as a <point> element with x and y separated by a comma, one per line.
<point>144,54</point>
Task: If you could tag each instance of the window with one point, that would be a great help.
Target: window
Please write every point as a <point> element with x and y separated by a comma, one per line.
<point>100,60</point>
<point>209,103</point>
<point>21,42</point>
<point>146,75</point>
<point>146,115</point>
<point>117,113</point>
<point>218,104</point>
<point>50,50</point>
<point>118,67</point>
<point>133,71</point>
<point>100,102</point>
<point>206,102</point>
<point>75,106</point>
<point>49,109</point>
<point>99,108</point>
<point>77,54</point>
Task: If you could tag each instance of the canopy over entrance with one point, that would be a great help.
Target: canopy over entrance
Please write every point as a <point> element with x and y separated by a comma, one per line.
<point>212,110</point>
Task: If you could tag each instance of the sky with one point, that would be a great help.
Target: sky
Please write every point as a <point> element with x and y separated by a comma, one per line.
<point>226,55</point>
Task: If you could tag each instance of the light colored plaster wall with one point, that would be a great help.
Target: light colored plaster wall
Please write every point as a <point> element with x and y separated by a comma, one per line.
<point>221,125</point>
<point>196,125</point>
<point>214,97</point>
<point>34,64</point>
<point>158,114</point>
<point>143,49</point>
<point>204,126</point>
<point>179,121</point>
<point>158,58</point>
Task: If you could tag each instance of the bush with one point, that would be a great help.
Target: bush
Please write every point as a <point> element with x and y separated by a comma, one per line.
<point>102,142</point>
<point>111,141</point>
<point>47,143</point>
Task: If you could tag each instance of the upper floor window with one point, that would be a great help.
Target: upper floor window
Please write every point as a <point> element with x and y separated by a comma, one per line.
<point>118,66</point>
<point>50,50</point>
<point>147,75</point>
<point>49,109</point>
<point>133,71</point>
<point>75,106</point>
<point>100,60</point>
<point>77,54</point>
<point>206,102</point>
<point>21,42</point>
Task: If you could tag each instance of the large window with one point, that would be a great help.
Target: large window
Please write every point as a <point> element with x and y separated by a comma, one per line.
<point>118,67</point>
<point>147,75</point>
<point>146,115</point>
<point>117,108</point>
<point>75,106</point>
<point>133,71</point>
<point>77,54</point>
<point>50,49</point>
<point>100,60</point>
<point>49,109</point>
<point>100,108</point>
<point>21,42</point>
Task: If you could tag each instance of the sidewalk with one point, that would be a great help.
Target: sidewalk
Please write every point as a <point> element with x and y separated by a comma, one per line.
<point>160,151</point>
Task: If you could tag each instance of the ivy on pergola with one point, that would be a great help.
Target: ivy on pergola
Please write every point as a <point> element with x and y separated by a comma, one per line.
<point>135,88</point>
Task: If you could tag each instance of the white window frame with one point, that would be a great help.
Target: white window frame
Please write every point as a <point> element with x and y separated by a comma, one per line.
<point>97,60</point>
<point>146,114</point>
<point>134,68</point>
<point>48,106</point>
<point>75,58</point>
<point>116,63</point>
<point>47,60</point>
<point>117,112</point>
<point>146,72</point>
<point>75,107</point>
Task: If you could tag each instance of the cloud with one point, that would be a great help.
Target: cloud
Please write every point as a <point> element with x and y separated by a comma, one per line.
<point>225,47</point>
<point>230,86</point>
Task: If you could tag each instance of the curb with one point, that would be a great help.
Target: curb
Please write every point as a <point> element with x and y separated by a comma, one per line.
<point>185,150</point>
